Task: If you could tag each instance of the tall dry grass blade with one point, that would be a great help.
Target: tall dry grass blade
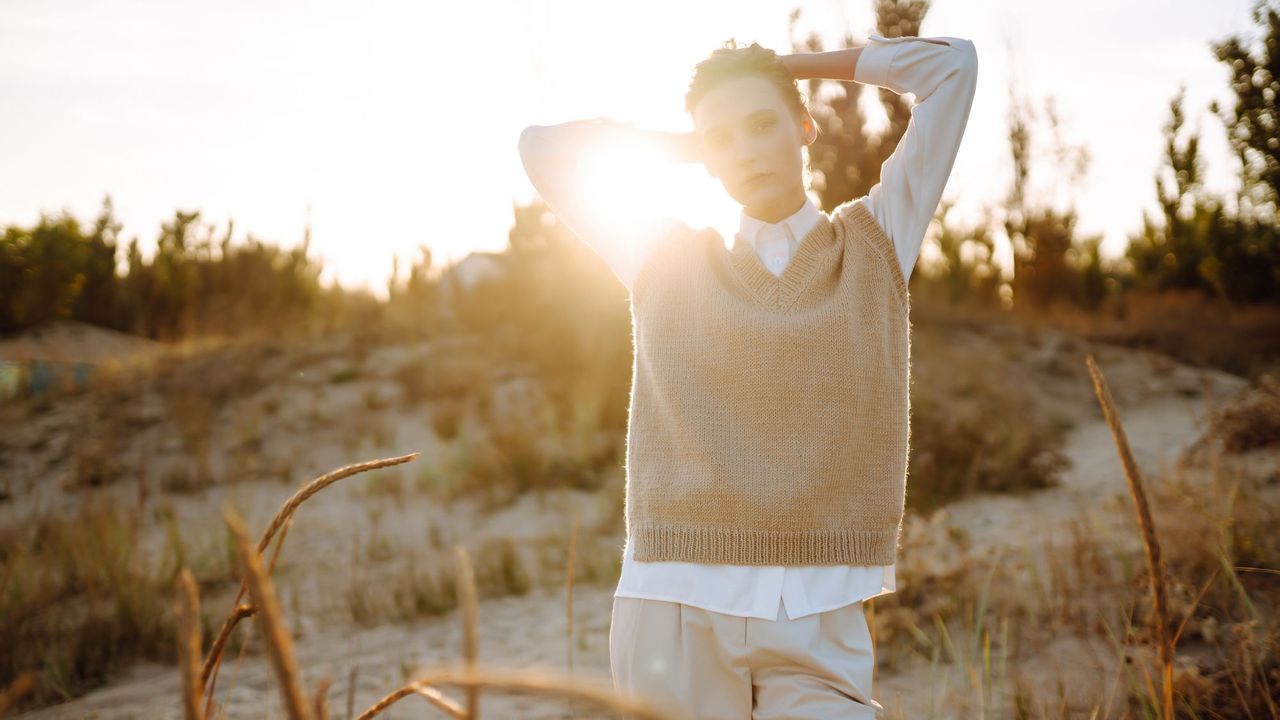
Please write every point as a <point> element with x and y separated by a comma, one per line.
<point>573,551</point>
<point>1145,523</point>
<point>275,552</point>
<point>1120,643</point>
<point>470,633</point>
<point>186,610</point>
<point>536,682</point>
<point>321,700</point>
<point>1246,568</point>
<point>270,622</point>
<point>451,707</point>
<point>321,483</point>
<point>568,609</point>
<point>241,612</point>
<point>20,686</point>
<point>285,513</point>
<point>275,556</point>
<point>1194,604</point>
<point>351,690</point>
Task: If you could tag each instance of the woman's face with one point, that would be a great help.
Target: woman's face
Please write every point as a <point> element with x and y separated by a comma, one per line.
<point>752,143</point>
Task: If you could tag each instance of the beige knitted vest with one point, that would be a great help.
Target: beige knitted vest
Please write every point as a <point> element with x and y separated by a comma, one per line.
<point>770,416</point>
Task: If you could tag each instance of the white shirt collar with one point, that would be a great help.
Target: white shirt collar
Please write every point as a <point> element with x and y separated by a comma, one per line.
<point>799,224</point>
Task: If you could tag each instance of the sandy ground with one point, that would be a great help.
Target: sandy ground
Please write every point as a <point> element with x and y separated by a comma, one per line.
<point>524,633</point>
<point>1160,404</point>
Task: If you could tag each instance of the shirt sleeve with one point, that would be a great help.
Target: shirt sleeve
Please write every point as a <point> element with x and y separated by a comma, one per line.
<point>942,73</point>
<point>592,199</point>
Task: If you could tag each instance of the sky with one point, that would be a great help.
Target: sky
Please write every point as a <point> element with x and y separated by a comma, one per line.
<point>388,125</point>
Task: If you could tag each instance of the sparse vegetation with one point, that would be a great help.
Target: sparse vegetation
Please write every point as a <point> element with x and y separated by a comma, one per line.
<point>980,427</point>
<point>81,596</point>
<point>516,389</point>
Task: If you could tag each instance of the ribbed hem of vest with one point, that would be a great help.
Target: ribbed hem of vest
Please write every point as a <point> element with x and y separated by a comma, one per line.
<point>740,546</point>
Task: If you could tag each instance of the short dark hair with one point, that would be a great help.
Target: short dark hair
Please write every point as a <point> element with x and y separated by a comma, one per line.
<point>731,62</point>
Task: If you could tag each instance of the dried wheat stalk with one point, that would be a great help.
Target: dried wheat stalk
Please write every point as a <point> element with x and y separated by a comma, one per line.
<point>573,552</point>
<point>241,612</point>
<point>271,568</point>
<point>285,513</point>
<point>527,681</point>
<point>321,701</point>
<point>470,633</point>
<point>1147,526</point>
<point>186,609</point>
<point>271,622</point>
<point>351,690</point>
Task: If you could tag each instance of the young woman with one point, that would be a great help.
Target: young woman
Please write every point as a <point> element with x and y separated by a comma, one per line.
<point>770,411</point>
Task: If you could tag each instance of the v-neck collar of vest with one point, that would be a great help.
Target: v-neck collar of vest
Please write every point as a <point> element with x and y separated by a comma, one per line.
<point>780,292</point>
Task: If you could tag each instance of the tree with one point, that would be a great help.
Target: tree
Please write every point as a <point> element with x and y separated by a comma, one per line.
<point>1252,260</point>
<point>193,284</point>
<point>1050,263</point>
<point>966,268</point>
<point>1253,123</point>
<point>845,159</point>
<point>1195,243</point>
<point>1176,252</point>
<point>57,270</point>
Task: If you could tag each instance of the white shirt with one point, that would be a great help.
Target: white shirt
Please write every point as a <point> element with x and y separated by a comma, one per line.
<point>942,74</point>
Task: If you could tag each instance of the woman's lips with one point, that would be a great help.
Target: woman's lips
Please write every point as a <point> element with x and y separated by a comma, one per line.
<point>757,178</point>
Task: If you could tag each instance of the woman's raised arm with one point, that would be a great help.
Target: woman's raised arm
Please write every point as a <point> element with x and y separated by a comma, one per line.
<point>559,162</point>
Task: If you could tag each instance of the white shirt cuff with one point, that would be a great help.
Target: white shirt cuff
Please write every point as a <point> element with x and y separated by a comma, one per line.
<point>875,60</point>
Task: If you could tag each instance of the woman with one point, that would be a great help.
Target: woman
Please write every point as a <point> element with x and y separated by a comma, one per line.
<point>769,423</point>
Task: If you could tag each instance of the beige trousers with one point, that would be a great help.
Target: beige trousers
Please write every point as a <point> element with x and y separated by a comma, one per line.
<point>696,663</point>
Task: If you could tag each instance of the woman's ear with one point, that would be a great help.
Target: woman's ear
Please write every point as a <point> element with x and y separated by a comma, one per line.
<point>809,129</point>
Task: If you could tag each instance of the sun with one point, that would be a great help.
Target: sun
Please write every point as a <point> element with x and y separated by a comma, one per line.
<point>631,183</point>
<point>624,178</point>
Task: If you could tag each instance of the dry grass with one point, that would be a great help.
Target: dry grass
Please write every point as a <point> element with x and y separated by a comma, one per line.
<point>186,608</point>
<point>81,596</point>
<point>187,630</point>
<point>982,649</point>
<point>1072,629</point>
<point>271,622</point>
<point>474,678</point>
<point>284,515</point>
<point>1254,423</point>
<point>1068,633</point>
<point>447,417</point>
<point>471,675</point>
<point>16,690</point>
<point>1146,524</point>
<point>1244,340</point>
<point>987,617</point>
<point>976,424</point>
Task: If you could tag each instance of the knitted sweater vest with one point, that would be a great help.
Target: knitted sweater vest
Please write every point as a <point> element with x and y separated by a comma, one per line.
<point>770,416</point>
